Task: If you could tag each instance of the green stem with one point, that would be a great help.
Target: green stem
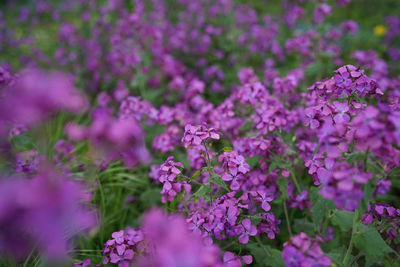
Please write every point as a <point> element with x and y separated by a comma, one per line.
<point>295,181</point>
<point>366,160</point>
<point>210,170</point>
<point>350,248</point>
<point>326,223</point>
<point>287,218</point>
<point>262,245</point>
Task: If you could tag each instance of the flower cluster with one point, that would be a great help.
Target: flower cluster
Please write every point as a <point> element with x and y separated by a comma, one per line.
<point>232,94</point>
<point>235,167</point>
<point>36,94</point>
<point>163,241</point>
<point>28,161</point>
<point>122,247</point>
<point>383,213</point>
<point>302,250</point>
<point>221,220</point>
<point>232,260</point>
<point>346,81</point>
<point>167,175</point>
<point>195,135</point>
<point>43,204</point>
<point>342,183</point>
<point>112,139</point>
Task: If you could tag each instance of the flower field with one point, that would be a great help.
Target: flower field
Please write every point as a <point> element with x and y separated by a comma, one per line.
<point>181,133</point>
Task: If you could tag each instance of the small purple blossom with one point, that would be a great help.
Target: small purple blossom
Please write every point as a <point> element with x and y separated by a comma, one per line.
<point>195,135</point>
<point>302,250</point>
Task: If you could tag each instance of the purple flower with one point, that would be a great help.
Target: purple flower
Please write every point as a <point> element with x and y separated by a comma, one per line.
<point>171,243</point>
<point>28,161</point>
<point>320,12</point>
<point>231,260</point>
<point>264,199</point>
<point>112,139</point>
<point>343,79</point>
<point>36,95</point>
<point>302,250</point>
<point>245,230</point>
<point>84,263</point>
<point>341,116</point>
<point>269,225</point>
<point>121,249</point>
<point>195,135</point>
<point>50,206</point>
<point>167,175</point>
<point>367,219</point>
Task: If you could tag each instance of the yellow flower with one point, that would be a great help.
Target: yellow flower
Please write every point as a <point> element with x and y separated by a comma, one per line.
<point>380,30</point>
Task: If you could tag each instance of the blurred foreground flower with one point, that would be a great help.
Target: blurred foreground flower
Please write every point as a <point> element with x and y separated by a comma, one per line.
<point>41,214</point>
<point>112,139</point>
<point>172,244</point>
<point>302,250</point>
<point>163,241</point>
<point>35,94</point>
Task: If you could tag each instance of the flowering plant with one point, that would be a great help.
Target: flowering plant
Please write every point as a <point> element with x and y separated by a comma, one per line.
<point>199,133</point>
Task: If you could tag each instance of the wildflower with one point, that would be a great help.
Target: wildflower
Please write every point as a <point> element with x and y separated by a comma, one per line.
<point>245,230</point>
<point>195,135</point>
<point>302,250</point>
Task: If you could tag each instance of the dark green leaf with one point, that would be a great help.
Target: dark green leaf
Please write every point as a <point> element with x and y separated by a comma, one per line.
<point>22,142</point>
<point>373,167</point>
<point>151,197</point>
<point>257,252</point>
<point>203,190</point>
<point>371,242</point>
<point>303,225</point>
<point>218,181</point>
<point>253,161</point>
<point>343,219</point>
<point>337,254</point>
<point>320,207</point>
<point>355,157</point>
<point>275,259</point>
<point>316,149</point>
<point>198,173</point>
<point>282,185</point>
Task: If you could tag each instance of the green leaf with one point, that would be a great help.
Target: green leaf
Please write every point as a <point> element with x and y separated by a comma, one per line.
<point>218,181</point>
<point>343,219</point>
<point>257,252</point>
<point>280,163</point>
<point>373,167</point>
<point>22,142</point>
<point>203,190</point>
<point>227,149</point>
<point>247,126</point>
<point>282,185</point>
<point>337,254</point>
<point>320,207</point>
<point>253,161</point>
<point>151,197</point>
<point>396,263</point>
<point>198,173</point>
<point>316,149</point>
<point>371,242</point>
<point>368,191</point>
<point>275,259</point>
<point>262,259</point>
<point>303,225</point>
<point>355,157</point>
<point>256,219</point>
